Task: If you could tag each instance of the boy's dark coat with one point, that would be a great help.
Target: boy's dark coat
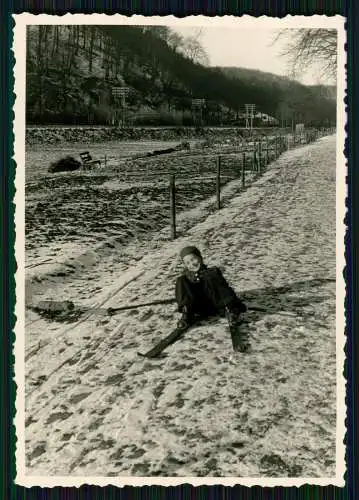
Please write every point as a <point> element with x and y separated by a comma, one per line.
<point>206,293</point>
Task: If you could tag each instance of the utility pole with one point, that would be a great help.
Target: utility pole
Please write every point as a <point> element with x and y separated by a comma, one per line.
<point>250,110</point>
<point>197,110</point>
<point>120,94</point>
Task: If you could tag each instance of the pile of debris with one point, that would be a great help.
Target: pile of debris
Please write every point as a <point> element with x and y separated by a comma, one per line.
<point>63,311</point>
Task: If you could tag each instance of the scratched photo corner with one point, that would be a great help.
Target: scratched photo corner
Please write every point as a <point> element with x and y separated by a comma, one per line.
<point>180,247</point>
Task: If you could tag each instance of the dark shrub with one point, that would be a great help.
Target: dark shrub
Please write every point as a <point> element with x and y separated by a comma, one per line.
<point>66,164</point>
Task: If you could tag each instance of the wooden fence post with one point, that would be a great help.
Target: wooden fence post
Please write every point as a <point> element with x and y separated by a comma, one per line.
<point>267,152</point>
<point>218,183</point>
<point>173,206</point>
<point>259,157</point>
<point>243,169</point>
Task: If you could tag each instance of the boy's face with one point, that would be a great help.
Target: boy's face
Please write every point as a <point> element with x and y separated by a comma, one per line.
<point>192,262</point>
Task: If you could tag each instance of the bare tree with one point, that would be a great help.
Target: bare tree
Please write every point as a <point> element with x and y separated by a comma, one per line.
<point>175,41</point>
<point>308,47</point>
<point>91,49</point>
<point>40,68</point>
<point>192,48</point>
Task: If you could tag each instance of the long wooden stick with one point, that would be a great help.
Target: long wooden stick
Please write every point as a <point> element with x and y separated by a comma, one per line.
<point>114,310</point>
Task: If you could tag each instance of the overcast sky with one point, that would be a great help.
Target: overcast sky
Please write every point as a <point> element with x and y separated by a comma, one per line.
<point>246,48</point>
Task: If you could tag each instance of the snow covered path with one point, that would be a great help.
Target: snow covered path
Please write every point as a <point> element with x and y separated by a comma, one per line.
<point>94,408</point>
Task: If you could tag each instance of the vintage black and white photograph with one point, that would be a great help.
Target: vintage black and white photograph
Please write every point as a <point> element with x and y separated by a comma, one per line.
<point>180,204</point>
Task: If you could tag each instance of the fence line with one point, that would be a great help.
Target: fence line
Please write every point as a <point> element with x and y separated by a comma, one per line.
<point>266,147</point>
<point>258,163</point>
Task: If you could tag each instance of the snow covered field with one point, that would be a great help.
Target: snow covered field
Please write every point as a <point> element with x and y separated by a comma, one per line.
<point>94,408</point>
<point>68,213</point>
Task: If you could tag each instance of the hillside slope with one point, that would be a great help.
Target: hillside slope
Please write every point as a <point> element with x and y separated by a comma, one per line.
<point>72,70</point>
<point>292,98</point>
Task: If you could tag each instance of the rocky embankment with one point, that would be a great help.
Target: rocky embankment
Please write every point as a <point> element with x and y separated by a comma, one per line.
<point>56,135</point>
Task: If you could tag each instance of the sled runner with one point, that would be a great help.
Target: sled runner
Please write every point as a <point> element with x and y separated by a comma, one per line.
<point>240,341</point>
<point>161,346</point>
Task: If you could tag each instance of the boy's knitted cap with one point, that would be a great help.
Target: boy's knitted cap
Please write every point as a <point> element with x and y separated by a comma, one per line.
<point>190,250</point>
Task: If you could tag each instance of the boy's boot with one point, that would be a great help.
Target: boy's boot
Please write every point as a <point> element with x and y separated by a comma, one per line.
<point>232,317</point>
<point>186,319</point>
<point>240,341</point>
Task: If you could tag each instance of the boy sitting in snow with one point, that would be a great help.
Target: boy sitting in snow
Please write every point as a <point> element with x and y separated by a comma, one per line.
<point>202,292</point>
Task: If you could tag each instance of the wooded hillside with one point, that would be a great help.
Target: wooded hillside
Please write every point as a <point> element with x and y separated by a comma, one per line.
<point>72,70</point>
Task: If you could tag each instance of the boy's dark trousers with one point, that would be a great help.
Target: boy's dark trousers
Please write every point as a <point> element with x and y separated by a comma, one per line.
<point>208,296</point>
<point>201,296</point>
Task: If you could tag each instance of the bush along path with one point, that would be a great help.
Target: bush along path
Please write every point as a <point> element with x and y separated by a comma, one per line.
<point>93,407</point>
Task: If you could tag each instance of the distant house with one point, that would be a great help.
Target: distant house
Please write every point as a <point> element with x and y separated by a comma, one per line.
<point>267,119</point>
<point>299,127</point>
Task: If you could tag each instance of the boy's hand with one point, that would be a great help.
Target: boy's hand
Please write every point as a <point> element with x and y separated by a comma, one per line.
<point>182,324</point>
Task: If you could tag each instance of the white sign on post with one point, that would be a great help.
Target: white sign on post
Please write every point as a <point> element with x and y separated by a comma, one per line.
<point>299,127</point>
